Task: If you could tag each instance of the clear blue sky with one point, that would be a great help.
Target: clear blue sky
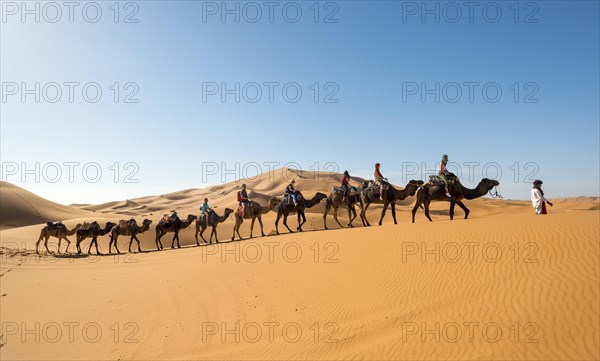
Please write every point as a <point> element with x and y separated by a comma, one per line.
<point>377,55</point>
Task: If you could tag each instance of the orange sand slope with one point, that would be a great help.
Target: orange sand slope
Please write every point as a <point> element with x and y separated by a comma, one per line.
<point>505,284</point>
<point>19,207</point>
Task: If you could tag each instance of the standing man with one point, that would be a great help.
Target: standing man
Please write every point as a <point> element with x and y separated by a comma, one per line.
<point>537,198</point>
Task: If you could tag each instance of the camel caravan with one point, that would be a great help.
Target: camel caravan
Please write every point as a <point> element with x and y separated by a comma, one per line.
<point>444,187</point>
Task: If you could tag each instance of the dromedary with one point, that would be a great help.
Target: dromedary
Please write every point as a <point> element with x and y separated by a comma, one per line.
<point>213,220</point>
<point>335,200</point>
<point>93,231</point>
<point>57,230</point>
<point>253,211</point>
<point>175,226</point>
<point>128,228</point>
<point>390,196</point>
<point>285,208</point>
<point>437,192</point>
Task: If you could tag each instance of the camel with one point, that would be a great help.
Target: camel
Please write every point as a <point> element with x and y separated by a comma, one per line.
<point>175,226</point>
<point>130,229</point>
<point>213,220</point>
<point>390,196</point>
<point>335,201</point>
<point>284,209</point>
<point>253,211</point>
<point>93,231</point>
<point>433,192</point>
<point>59,231</point>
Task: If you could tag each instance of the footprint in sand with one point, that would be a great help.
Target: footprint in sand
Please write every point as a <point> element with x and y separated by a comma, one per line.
<point>5,294</point>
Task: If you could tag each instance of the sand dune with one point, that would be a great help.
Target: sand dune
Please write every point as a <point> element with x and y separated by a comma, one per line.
<point>504,284</point>
<point>22,208</point>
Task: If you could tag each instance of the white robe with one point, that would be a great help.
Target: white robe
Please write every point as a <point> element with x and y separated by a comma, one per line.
<point>537,199</point>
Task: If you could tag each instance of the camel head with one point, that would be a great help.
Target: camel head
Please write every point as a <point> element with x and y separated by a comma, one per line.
<point>191,218</point>
<point>489,183</point>
<point>147,222</point>
<point>418,183</point>
<point>228,211</point>
<point>110,225</point>
<point>320,196</point>
<point>273,203</point>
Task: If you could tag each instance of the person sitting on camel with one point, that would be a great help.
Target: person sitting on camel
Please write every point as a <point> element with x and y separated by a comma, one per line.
<point>205,210</point>
<point>380,180</point>
<point>291,192</point>
<point>443,173</point>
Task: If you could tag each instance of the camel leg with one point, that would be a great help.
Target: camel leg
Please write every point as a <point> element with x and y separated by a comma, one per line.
<point>37,244</point>
<point>117,245</point>
<point>360,207</point>
<point>68,244</point>
<point>364,214</point>
<point>394,212</point>
<point>327,208</point>
<point>202,229</point>
<point>59,241</point>
<point>351,215</point>
<point>301,221</point>
<point>418,203</point>
<point>335,217</point>
<point>96,243</point>
<point>138,243</point>
<point>464,208</point>
<point>426,204</point>
<point>78,245</point>
<point>385,206</point>
<point>414,210</point>
<point>277,222</point>
<point>159,234</point>
<point>196,235</point>
<point>251,226</point>
<point>134,236</point>
<point>110,243</point>
<point>238,233</point>
<point>214,231</point>
<point>262,233</point>
<point>240,226</point>
<point>452,204</point>
<point>46,243</point>
<point>177,235</point>
<point>285,222</point>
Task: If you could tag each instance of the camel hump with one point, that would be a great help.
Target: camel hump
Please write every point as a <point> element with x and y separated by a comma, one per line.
<point>54,225</point>
<point>340,190</point>
<point>435,180</point>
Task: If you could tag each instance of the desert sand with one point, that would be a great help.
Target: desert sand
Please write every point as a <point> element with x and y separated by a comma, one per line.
<point>504,284</point>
